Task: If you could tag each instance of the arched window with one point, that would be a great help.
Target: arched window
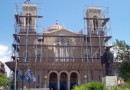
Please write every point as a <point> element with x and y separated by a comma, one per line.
<point>95,23</point>
<point>28,19</point>
<point>28,22</point>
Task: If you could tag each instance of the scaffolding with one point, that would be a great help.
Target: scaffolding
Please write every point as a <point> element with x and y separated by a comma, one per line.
<point>73,51</point>
<point>25,24</point>
<point>98,31</point>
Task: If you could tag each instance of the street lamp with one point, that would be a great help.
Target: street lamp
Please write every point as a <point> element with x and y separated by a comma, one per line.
<point>45,81</point>
<point>85,78</point>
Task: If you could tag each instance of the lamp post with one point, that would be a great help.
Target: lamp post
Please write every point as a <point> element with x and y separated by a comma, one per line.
<point>45,86</point>
<point>85,78</point>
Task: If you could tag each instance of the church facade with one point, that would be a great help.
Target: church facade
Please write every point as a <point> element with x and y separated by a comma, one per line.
<point>59,58</point>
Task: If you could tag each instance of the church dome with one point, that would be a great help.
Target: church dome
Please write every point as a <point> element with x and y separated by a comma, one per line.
<point>56,27</point>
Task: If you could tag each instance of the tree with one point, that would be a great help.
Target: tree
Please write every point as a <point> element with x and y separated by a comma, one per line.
<point>122,55</point>
<point>121,50</point>
<point>4,81</point>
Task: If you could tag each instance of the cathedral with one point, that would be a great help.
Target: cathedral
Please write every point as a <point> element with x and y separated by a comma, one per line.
<point>58,57</point>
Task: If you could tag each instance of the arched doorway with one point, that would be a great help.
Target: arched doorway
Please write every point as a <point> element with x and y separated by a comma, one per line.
<point>73,80</point>
<point>63,81</point>
<point>53,81</point>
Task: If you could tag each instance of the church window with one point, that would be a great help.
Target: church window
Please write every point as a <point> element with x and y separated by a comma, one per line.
<point>38,54</point>
<point>26,56</point>
<point>62,51</point>
<point>99,77</point>
<point>95,23</point>
<point>85,58</point>
<point>38,79</point>
<point>28,19</point>
<point>91,71</point>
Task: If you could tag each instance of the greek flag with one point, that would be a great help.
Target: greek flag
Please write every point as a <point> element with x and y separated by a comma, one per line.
<point>28,73</point>
<point>30,77</point>
<point>18,73</point>
<point>23,77</point>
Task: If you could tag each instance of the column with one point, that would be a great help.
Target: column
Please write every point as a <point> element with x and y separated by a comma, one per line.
<point>78,79</point>
<point>68,83</point>
<point>58,78</point>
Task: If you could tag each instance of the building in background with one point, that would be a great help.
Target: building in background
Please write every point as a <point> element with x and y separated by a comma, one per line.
<point>59,58</point>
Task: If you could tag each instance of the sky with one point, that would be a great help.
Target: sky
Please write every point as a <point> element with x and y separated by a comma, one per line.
<point>68,13</point>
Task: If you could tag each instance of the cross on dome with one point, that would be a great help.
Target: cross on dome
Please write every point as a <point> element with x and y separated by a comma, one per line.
<point>56,27</point>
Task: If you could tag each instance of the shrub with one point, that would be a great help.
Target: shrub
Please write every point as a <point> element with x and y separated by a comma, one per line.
<point>96,86</point>
<point>125,86</point>
<point>100,86</point>
<point>90,86</point>
<point>80,87</point>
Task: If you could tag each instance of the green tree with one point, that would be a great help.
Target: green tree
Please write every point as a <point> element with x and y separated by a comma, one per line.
<point>122,55</point>
<point>121,50</point>
<point>4,81</point>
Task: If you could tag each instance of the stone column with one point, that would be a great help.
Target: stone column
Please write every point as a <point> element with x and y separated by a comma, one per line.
<point>68,83</point>
<point>58,78</point>
<point>79,79</point>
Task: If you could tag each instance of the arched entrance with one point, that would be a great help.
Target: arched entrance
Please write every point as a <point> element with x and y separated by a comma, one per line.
<point>73,80</point>
<point>53,81</point>
<point>63,81</point>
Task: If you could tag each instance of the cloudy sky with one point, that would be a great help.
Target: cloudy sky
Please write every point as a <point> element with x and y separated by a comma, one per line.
<point>5,55</point>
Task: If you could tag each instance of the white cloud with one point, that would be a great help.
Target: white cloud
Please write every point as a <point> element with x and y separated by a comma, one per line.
<point>5,54</point>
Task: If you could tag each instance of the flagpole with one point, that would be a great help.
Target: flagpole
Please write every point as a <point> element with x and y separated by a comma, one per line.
<point>22,84</point>
<point>23,77</point>
<point>29,85</point>
<point>15,74</point>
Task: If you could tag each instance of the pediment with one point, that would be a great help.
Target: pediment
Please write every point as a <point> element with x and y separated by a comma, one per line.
<point>61,32</point>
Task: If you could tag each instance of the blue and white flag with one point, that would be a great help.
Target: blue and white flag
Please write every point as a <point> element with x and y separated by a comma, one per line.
<point>28,73</point>
<point>18,73</point>
<point>34,78</point>
<point>23,77</point>
<point>29,76</point>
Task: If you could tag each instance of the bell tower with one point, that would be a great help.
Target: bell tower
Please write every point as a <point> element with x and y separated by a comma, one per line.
<point>97,37</point>
<point>94,23</point>
<point>29,17</point>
